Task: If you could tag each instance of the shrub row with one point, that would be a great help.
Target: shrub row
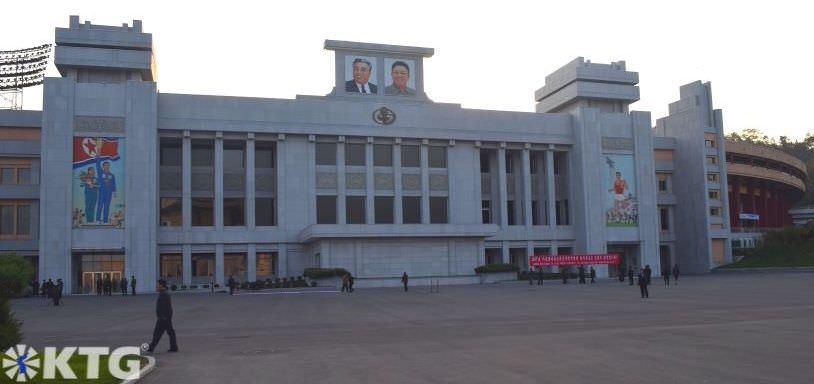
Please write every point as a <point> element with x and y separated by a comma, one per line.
<point>284,282</point>
<point>322,273</point>
<point>496,268</point>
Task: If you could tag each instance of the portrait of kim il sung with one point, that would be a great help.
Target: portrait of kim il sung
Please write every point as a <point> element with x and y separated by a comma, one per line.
<point>360,72</point>
<point>399,80</point>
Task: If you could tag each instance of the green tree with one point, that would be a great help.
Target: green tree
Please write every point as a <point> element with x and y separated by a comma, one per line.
<point>15,273</point>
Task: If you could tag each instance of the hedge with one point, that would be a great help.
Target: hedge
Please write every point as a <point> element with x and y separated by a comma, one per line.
<point>322,273</point>
<point>496,268</point>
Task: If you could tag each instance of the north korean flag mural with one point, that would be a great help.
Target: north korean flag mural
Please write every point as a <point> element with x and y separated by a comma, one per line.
<point>98,182</point>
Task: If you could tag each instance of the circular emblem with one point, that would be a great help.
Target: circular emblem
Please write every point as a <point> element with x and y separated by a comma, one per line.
<point>21,362</point>
<point>384,116</point>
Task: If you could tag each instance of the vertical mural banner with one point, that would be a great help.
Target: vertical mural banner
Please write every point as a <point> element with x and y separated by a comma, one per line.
<point>98,182</point>
<point>621,207</point>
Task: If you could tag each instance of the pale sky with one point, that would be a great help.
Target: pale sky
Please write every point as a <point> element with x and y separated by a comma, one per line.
<point>488,55</point>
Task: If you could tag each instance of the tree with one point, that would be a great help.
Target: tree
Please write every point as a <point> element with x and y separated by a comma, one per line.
<point>15,273</point>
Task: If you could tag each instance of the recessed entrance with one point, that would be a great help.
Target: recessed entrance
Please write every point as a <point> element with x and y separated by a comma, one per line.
<point>89,268</point>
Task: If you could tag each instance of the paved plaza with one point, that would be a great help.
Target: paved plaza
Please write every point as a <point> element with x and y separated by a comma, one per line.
<point>753,328</point>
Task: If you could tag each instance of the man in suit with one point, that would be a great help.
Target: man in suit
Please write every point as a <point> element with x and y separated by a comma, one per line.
<point>400,72</point>
<point>361,76</point>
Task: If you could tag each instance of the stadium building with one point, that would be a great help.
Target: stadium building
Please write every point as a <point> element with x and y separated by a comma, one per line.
<point>114,178</point>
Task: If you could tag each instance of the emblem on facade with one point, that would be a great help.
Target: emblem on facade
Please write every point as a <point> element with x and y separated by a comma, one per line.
<point>384,116</point>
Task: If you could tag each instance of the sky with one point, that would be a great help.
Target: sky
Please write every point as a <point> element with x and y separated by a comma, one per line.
<point>488,54</point>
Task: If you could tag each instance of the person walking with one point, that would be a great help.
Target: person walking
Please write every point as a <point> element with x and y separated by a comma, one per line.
<point>108,286</point>
<point>581,274</point>
<point>346,282</point>
<point>593,275</point>
<point>531,276</point>
<point>231,285</point>
<point>621,273</point>
<point>564,275</point>
<point>99,283</point>
<point>132,285</point>
<point>123,286</point>
<point>630,275</point>
<point>675,274</point>
<point>163,311</point>
<point>350,282</point>
<point>60,287</point>
<point>35,287</point>
<point>539,275</point>
<point>49,289</point>
<point>643,282</point>
<point>404,279</point>
<point>665,274</point>
<point>44,289</point>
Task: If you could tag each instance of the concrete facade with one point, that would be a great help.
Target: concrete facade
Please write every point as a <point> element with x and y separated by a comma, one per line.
<point>429,188</point>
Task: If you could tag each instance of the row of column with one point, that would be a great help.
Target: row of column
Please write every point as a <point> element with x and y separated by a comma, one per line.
<point>251,262</point>
<point>773,211</point>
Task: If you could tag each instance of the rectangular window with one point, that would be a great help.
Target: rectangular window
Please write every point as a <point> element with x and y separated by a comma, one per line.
<point>23,220</point>
<point>234,265</point>
<point>326,209</point>
<point>171,212</point>
<point>712,177</point>
<point>664,182</point>
<point>712,160</point>
<point>8,176</point>
<point>438,210</point>
<point>709,143</point>
<point>383,209</point>
<point>663,186</point>
<point>486,211</point>
<point>172,268</point>
<point>664,218</point>
<point>264,156</point>
<point>715,211</point>
<point>203,268</point>
<point>203,212</point>
<point>510,212</point>
<point>383,155</point>
<point>535,212</point>
<point>24,176</point>
<point>234,154</point>
<point>484,161</point>
<point>15,220</point>
<point>264,212</point>
<point>410,156</point>
<point>354,154</point>
<point>714,194</point>
<point>437,157</point>
<point>326,153</point>
<point>203,152</point>
<point>411,209</point>
<point>234,213</point>
<point>170,154</point>
<point>266,265</point>
<point>355,209</point>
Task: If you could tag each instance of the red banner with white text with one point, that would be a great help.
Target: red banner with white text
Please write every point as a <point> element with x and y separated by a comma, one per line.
<point>596,258</point>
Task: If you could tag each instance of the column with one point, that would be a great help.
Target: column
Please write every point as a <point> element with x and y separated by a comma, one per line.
<point>736,194</point>
<point>550,188</point>
<point>219,264</point>
<point>504,252</point>
<point>425,183</point>
<point>529,252</point>
<point>370,191</point>
<point>340,181</point>
<point>763,206</point>
<point>750,200</point>
<point>282,259</point>
<point>398,217</point>
<point>526,167</point>
<point>186,185</point>
<point>250,216</point>
<point>502,203</point>
<point>251,263</point>
<point>186,264</point>
<point>219,181</point>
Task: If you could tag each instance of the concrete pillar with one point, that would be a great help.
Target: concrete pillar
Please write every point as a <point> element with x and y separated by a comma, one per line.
<point>186,186</point>
<point>251,262</point>
<point>340,181</point>
<point>282,259</point>
<point>370,191</point>
<point>425,183</point>
<point>219,264</point>
<point>550,188</point>
<point>749,204</point>
<point>502,201</point>
<point>504,252</point>
<point>529,252</point>
<point>736,194</point>
<point>250,216</point>
<point>398,215</point>
<point>526,168</point>
<point>186,264</point>
<point>219,181</point>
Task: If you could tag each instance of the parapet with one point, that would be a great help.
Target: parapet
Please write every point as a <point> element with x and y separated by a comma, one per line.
<point>581,80</point>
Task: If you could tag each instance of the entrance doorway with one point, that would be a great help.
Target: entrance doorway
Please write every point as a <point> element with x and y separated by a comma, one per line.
<point>91,279</point>
<point>628,257</point>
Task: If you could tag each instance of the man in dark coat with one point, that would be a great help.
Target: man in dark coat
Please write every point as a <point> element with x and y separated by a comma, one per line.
<point>648,273</point>
<point>133,285</point>
<point>44,289</point>
<point>108,286</point>
<point>123,286</point>
<point>582,274</point>
<point>350,282</point>
<point>539,275</point>
<point>531,276</point>
<point>60,287</point>
<point>621,274</point>
<point>404,279</point>
<point>35,287</point>
<point>665,274</point>
<point>643,285</point>
<point>593,275</point>
<point>163,310</point>
<point>231,285</point>
<point>630,275</point>
<point>564,274</point>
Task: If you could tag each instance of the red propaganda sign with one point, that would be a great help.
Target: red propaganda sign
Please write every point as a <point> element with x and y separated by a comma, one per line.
<point>600,258</point>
